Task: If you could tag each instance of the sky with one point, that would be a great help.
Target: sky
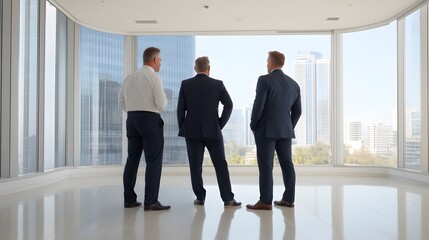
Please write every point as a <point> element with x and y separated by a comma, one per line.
<point>369,74</point>
<point>369,67</point>
<point>240,60</point>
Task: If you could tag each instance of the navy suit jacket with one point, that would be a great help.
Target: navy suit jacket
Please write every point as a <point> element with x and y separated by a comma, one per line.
<point>198,107</point>
<point>277,106</point>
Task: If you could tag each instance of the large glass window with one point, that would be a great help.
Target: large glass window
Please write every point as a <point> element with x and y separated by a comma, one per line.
<point>28,85</point>
<point>370,101</point>
<point>101,75</point>
<point>178,55</point>
<point>55,87</point>
<point>240,63</point>
<point>1,69</point>
<point>412,91</point>
<point>308,61</point>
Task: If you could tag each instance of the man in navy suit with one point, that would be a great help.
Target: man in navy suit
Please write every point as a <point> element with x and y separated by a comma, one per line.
<point>275,113</point>
<point>199,123</point>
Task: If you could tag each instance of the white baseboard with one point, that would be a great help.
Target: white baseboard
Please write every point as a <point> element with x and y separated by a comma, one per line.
<point>29,182</point>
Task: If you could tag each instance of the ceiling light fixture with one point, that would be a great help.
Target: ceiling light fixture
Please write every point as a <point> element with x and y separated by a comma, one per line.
<point>146,21</point>
<point>332,19</point>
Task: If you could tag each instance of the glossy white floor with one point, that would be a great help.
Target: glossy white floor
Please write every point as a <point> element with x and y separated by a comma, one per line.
<point>327,207</point>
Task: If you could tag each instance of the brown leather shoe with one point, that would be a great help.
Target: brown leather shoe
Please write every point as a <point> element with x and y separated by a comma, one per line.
<point>259,206</point>
<point>283,203</point>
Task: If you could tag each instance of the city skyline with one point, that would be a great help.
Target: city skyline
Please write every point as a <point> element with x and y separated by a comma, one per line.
<point>308,65</point>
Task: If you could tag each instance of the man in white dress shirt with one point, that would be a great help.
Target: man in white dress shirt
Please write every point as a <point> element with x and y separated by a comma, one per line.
<point>142,96</point>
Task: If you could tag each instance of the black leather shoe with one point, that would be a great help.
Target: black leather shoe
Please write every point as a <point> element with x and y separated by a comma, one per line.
<point>198,202</point>
<point>132,204</point>
<point>156,206</point>
<point>232,203</point>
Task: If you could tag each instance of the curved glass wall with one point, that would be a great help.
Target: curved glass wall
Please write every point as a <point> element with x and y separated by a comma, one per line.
<point>370,97</point>
<point>369,68</point>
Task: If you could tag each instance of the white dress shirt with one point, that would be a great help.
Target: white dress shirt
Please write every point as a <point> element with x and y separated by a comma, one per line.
<point>143,91</point>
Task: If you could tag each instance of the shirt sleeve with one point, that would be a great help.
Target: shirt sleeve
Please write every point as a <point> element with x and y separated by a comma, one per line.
<point>159,94</point>
<point>121,100</point>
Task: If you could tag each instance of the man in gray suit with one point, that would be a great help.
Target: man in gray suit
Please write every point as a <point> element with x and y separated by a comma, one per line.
<point>275,113</point>
<point>199,123</point>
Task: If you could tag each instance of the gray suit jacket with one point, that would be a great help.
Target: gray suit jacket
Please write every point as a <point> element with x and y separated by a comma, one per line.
<point>277,106</point>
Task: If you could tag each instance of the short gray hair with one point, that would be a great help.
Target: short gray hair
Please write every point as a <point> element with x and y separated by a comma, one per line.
<point>150,53</point>
<point>202,64</point>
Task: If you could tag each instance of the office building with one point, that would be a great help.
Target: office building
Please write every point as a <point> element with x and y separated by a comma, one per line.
<point>353,135</point>
<point>379,138</point>
<point>312,75</point>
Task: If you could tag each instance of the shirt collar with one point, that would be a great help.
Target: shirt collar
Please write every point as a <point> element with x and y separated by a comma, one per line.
<point>149,67</point>
<point>276,69</point>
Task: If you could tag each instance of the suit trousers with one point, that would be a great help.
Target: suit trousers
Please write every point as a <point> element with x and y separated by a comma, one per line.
<point>145,132</point>
<point>216,150</point>
<point>265,153</point>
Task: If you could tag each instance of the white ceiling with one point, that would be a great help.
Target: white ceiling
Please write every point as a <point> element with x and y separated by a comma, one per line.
<point>231,16</point>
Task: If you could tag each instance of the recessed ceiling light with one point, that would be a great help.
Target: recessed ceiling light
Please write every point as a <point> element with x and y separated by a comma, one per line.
<point>146,21</point>
<point>332,19</point>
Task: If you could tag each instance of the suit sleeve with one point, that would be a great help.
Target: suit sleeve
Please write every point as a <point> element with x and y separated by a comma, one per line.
<point>296,110</point>
<point>259,103</point>
<point>181,106</point>
<point>226,101</point>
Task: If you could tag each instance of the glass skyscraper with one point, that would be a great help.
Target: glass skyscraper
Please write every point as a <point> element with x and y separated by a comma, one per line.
<point>178,56</point>
<point>101,78</point>
<point>101,75</point>
<point>312,75</point>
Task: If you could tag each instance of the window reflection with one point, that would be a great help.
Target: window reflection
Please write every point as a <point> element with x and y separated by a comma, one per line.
<point>178,56</point>
<point>101,75</point>
<point>55,88</point>
<point>412,91</point>
<point>28,86</point>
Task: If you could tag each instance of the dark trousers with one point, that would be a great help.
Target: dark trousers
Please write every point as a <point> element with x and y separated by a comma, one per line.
<point>216,149</point>
<point>145,131</point>
<point>265,153</point>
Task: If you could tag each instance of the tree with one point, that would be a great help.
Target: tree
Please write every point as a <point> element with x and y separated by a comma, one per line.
<point>364,157</point>
<point>315,154</point>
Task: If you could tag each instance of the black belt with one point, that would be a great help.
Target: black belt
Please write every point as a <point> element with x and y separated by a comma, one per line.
<point>133,112</point>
